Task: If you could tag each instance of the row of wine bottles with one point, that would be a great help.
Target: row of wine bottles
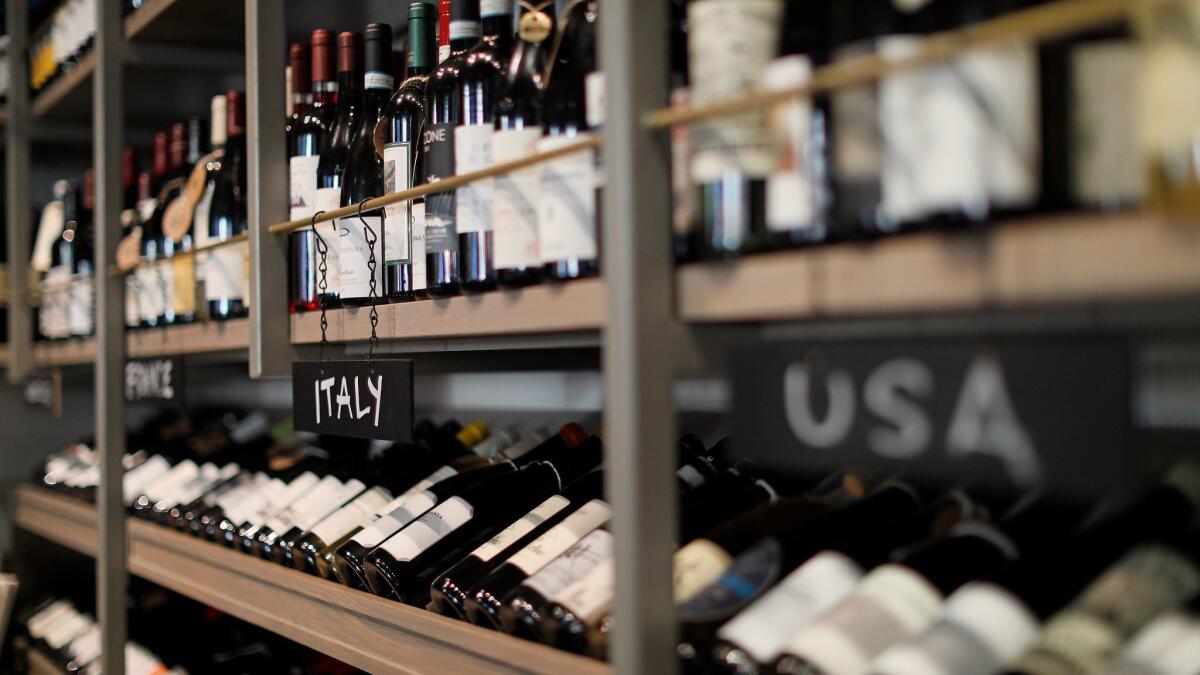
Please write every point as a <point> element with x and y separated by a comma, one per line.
<point>191,197</point>
<point>71,639</point>
<point>62,40</point>
<point>485,98</point>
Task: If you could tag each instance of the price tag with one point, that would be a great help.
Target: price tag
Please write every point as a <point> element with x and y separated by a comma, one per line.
<point>1013,414</point>
<point>354,398</point>
<point>154,380</point>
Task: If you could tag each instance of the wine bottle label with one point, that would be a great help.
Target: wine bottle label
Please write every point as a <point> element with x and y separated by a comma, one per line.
<point>567,203</point>
<point>462,29</point>
<point>495,8</point>
<point>1104,114</point>
<point>303,186</point>
<point>145,209</point>
<point>281,499</point>
<point>1168,94</point>
<point>514,207</point>
<point>892,604</point>
<point>327,488</point>
<point>183,274</point>
<point>790,187</point>
<point>225,272</point>
<point>400,512</point>
<point>434,478</point>
<point>441,234</point>
<point>165,270</point>
<point>804,595</point>
<point>522,527</point>
<point>690,476</point>
<point>37,623</point>
<point>429,529</point>
<point>1168,645</point>
<point>150,298</point>
<point>575,562</point>
<point>135,481</point>
<point>316,511</point>
<point>178,475</point>
<point>594,99</point>
<point>752,572</point>
<point>354,514</point>
<point>133,313</point>
<point>68,631</point>
<point>697,565</point>
<point>443,53</point>
<point>329,199</point>
<point>85,644</point>
<point>558,539</point>
<point>590,597</point>
<point>731,42</point>
<point>82,308</point>
<point>397,177</point>
<point>377,80</point>
<point>354,253</point>
<point>418,245</point>
<point>473,203</point>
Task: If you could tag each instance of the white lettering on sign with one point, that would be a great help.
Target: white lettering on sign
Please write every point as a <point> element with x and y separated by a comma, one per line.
<point>149,380</point>
<point>357,406</point>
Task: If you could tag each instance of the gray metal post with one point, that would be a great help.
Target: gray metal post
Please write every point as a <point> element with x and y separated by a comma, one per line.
<point>266,50</point>
<point>17,142</point>
<point>108,124</point>
<point>638,368</point>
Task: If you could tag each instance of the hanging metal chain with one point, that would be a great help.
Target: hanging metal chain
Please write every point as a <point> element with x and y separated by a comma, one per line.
<point>371,238</point>
<point>322,286</point>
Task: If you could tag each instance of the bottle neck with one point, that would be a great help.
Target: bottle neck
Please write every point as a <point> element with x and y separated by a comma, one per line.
<point>349,89</point>
<point>324,92</point>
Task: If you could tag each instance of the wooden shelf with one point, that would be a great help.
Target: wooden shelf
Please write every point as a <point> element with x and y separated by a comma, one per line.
<point>360,629</point>
<point>70,96</point>
<point>39,664</point>
<point>573,307</point>
<point>1079,258</point>
<point>188,21</point>
<point>69,522</point>
<point>197,338</point>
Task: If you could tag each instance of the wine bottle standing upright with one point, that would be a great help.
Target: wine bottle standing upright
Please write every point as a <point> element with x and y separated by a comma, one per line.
<point>178,223</point>
<point>202,216</point>
<point>483,68</point>
<point>308,136</point>
<point>81,317</point>
<point>129,227</point>
<point>225,273</point>
<point>149,282</point>
<point>574,106</point>
<point>300,70</point>
<point>169,235</point>
<point>519,119</point>
<point>444,116</point>
<point>302,184</point>
<point>403,166</point>
<point>361,237</point>
<point>332,163</point>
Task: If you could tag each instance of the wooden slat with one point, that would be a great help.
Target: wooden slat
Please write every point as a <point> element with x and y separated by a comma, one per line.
<point>196,338</point>
<point>548,308</point>
<point>67,521</point>
<point>360,629</point>
<point>39,664</point>
<point>73,352</point>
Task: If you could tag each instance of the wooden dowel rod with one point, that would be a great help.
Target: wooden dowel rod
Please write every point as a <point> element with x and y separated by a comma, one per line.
<point>235,239</point>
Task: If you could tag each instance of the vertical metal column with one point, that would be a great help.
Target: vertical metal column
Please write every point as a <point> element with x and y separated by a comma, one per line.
<point>17,142</point>
<point>271,354</point>
<point>638,364</point>
<point>108,129</point>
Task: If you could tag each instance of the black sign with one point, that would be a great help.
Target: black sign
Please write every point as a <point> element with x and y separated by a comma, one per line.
<point>354,398</point>
<point>154,380</point>
<point>1009,414</point>
<point>42,392</point>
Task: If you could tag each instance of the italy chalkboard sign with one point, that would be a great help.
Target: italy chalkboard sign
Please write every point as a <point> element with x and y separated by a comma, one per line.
<point>1010,414</point>
<point>159,379</point>
<point>354,398</point>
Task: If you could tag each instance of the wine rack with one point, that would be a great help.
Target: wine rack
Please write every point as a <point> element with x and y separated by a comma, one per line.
<point>221,338</point>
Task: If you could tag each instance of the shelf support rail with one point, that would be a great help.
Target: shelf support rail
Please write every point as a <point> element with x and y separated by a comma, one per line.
<point>17,141</point>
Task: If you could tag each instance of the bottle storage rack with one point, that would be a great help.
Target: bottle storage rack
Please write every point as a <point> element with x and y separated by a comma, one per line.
<point>642,308</point>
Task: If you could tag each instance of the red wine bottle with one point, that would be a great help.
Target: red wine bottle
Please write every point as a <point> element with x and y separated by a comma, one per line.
<point>225,271</point>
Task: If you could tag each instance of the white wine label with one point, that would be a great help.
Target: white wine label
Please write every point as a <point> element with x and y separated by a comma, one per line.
<point>418,246</point>
<point>892,604</point>
<point>145,209</point>
<point>303,186</point>
<point>731,42</point>
<point>46,616</point>
<point>463,29</point>
<point>561,537</point>
<point>289,517</point>
<point>473,203</point>
<point>85,647</point>
<point>762,628</point>
<point>514,208</point>
<point>575,562</point>
<point>495,7</point>
<point>283,499</point>
<point>135,481</point>
<point>83,304</point>
<point>178,475</point>
<point>443,52</point>
<point>594,98</point>
<point>183,275</point>
<point>329,199</point>
<point>1168,645</point>
<point>67,631</point>
<point>753,571</point>
<point>567,204</point>
<point>690,476</point>
<point>400,512</point>
<point>522,527</point>
<point>441,234</point>
<point>377,80</point>
<point>352,515</point>
<point>591,596</point>
<point>790,198</point>
<point>429,529</point>
<point>225,272</point>
<point>354,252</point>
<point>697,565</point>
<point>165,270</point>
<point>397,177</point>
<point>434,478</point>
<point>316,511</point>
<point>150,293</point>
<point>1168,87</point>
<point>1104,109</point>
<point>133,313</point>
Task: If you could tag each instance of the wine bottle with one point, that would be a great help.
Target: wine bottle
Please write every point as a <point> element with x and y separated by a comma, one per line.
<point>334,156</point>
<point>149,278</point>
<point>179,269</point>
<point>209,477</point>
<point>445,114</point>
<point>225,270</point>
<point>403,167</point>
<point>361,237</point>
<point>403,566</point>
<point>73,255</point>
<point>302,184</point>
<point>450,592</point>
<point>479,79</point>
<point>574,108</point>
<point>202,215</point>
<point>168,191</point>
<point>300,69</point>
<point>260,519</point>
<point>519,119</point>
<point>186,517</point>
<point>180,473</point>
<point>523,611</point>
<point>1170,645</point>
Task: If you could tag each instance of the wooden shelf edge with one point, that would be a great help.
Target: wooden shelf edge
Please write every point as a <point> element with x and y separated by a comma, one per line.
<point>365,631</point>
<point>66,85</point>
<point>196,338</point>
<point>137,22</point>
<point>1025,263</point>
<point>577,306</point>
